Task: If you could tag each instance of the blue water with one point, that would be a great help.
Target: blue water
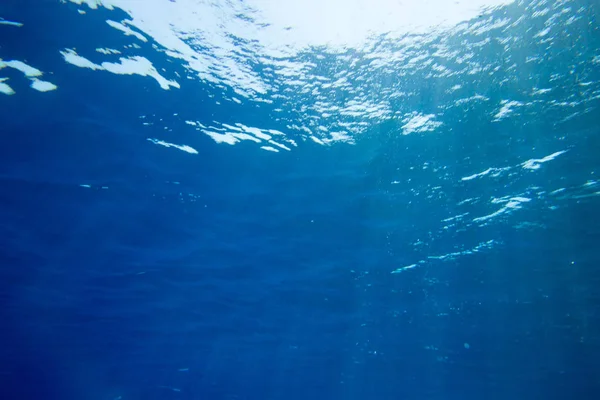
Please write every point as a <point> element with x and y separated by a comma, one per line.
<point>455,260</point>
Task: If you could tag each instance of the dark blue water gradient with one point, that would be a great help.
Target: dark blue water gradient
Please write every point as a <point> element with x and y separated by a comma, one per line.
<point>241,274</point>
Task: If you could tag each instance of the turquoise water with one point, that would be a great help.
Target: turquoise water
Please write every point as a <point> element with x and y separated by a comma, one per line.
<point>266,200</point>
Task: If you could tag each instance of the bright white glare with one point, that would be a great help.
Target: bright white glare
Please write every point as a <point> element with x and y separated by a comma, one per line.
<point>278,24</point>
<point>127,66</point>
<point>350,22</point>
<point>206,35</point>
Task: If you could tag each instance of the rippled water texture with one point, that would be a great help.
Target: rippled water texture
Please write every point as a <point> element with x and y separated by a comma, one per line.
<point>319,199</point>
<point>469,78</point>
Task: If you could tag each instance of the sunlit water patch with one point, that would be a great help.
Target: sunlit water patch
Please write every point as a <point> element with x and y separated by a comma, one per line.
<point>330,73</point>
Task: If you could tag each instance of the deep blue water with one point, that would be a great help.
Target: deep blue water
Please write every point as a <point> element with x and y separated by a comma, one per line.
<point>130,270</point>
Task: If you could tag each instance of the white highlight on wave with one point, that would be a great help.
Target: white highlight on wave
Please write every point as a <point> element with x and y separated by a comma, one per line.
<point>449,256</point>
<point>494,172</point>
<point>126,66</point>
<point>29,72</point>
<point>512,203</point>
<point>126,30</point>
<point>415,122</point>
<point>184,147</point>
<point>532,164</point>
<point>10,23</point>
<point>5,88</point>
<point>508,107</point>
<point>535,163</point>
<point>231,134</point>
